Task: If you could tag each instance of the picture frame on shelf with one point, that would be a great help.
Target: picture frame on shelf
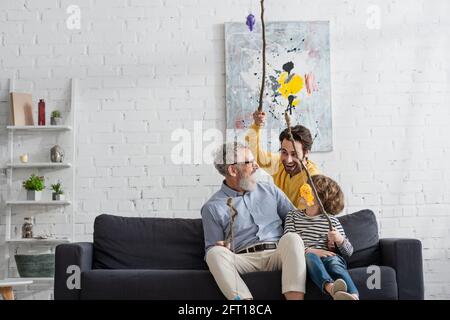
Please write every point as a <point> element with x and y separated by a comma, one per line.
<point>22,109</point>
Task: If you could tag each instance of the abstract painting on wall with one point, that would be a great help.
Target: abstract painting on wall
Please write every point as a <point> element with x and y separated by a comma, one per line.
<point>297,78</point>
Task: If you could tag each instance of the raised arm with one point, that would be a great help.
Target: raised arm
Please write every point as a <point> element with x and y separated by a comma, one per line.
<point>268,161</point>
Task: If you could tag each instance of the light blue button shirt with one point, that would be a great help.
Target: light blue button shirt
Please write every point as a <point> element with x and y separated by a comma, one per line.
<point>261,214</point>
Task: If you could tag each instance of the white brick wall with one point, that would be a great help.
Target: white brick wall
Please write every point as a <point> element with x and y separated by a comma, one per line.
<point>141,60</point>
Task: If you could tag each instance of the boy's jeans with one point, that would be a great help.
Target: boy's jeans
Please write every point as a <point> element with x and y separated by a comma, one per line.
<point>328,269</point>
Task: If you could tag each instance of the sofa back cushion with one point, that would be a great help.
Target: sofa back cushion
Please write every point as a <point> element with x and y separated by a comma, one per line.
<point>362,230</point>
<point>173,243</point>
<point>148,243</point>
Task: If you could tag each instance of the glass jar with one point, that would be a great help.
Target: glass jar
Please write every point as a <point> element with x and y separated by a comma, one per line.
<point>27,228</point>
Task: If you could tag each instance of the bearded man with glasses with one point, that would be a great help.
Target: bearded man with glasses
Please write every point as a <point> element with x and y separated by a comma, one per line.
<point>257,241</point>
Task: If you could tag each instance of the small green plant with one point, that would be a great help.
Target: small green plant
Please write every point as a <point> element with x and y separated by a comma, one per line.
<point>57,188</point>
<point>56,114</point>
<point>34,183</point>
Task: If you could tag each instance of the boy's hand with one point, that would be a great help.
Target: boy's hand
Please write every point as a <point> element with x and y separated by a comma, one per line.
<point>321,253</point>
<point>259,117</point>
<point>335,237</point>
<point>331,245</point>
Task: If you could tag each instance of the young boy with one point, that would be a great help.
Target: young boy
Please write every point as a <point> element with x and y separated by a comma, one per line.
<point>325,263</point>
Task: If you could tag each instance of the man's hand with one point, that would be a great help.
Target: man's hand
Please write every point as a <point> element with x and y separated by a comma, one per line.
<point>260,118</point>
<point>321,253</point>
<point>335,237</point>
<point>222,244</point>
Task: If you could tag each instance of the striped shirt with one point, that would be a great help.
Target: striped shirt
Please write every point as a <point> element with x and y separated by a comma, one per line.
<point>314,231</point>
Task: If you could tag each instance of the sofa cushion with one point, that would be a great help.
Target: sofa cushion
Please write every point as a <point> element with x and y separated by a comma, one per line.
<point>168,243</point>
<point>148,243</point>
<point>362,230</point>
<point>388,286</point>
<point>171,285</point>
<point>179,284</point>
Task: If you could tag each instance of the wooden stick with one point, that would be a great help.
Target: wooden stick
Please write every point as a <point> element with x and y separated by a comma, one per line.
<point>233,215</point>
<point>263,26</point>
<point>316,195</point>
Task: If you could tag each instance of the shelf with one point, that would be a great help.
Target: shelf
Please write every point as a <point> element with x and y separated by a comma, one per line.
<point>39,165</point>
<point>32,279</point>
<point>38,138</point>
<point>14,282</point>
<point>39,203</point>
<point>39,241</point>
<point>39,128</point>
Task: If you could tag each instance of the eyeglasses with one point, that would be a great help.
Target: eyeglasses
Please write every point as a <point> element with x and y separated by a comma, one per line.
<point>253,162</point>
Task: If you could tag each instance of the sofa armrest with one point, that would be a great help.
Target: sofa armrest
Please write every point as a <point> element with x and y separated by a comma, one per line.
<point>405,256</point>
<point>73,254</point>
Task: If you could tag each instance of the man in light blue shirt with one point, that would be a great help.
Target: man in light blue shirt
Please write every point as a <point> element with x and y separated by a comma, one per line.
<point>257,243</point>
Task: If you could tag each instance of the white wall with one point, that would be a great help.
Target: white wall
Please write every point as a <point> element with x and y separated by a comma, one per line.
<point>149,67</point>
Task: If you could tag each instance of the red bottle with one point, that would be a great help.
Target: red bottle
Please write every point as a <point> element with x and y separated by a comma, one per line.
<point>41,117</point>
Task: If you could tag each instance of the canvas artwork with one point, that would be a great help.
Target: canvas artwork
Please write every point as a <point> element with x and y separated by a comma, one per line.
<point>297,78</point>
<point>21,109</point>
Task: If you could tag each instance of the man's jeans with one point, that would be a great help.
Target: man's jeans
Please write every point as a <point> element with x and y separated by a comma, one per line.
<point>328,269</point>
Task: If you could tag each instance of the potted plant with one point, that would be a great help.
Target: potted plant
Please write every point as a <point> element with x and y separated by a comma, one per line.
<point>58,193</point>
<point>55,118</point>
<point>34,186</point>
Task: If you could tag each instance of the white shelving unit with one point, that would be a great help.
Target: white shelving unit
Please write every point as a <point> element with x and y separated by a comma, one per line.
<point>35,280</point>
<point>39,128</point>
<point>37,207</point>
<point>39,241</point>
<point>38,203</point>
<point>42,165</point>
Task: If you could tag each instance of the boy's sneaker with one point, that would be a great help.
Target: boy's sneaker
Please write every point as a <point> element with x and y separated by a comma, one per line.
<point>338,286</point>
<point>341,295</point>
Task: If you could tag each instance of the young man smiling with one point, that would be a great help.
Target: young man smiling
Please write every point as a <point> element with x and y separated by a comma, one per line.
<point>284,167</point>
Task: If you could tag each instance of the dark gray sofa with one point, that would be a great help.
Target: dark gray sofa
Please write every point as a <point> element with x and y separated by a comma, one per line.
<point>157,258</point>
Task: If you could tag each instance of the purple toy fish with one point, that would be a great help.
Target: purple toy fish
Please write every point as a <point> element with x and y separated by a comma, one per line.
<point>250,21</point>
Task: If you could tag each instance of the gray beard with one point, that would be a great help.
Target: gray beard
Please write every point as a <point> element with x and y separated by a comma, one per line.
<point>247,184</point>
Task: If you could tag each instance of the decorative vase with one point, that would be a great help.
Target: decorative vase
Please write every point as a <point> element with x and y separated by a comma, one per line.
<point>39,265</point>
<point>27,228</point>
<point>56,154</point>
<point>58,196</point>
<point>41,112</point>
<point>56,121</point>
<point>34,195</point>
